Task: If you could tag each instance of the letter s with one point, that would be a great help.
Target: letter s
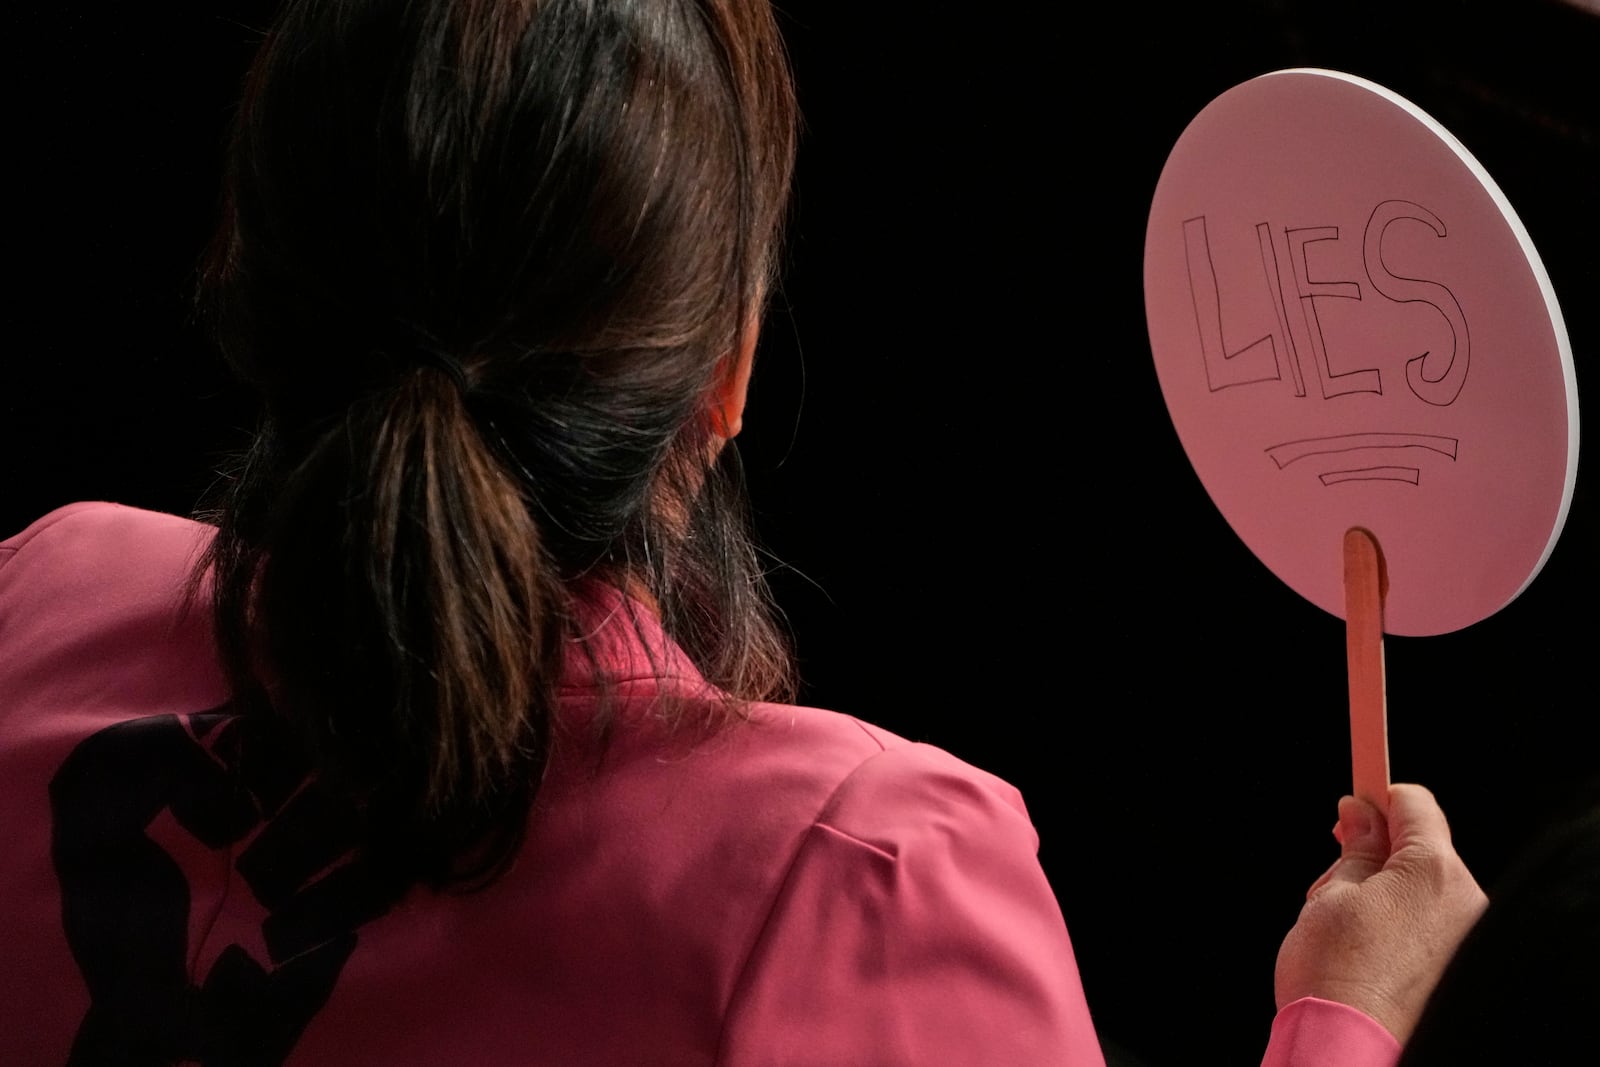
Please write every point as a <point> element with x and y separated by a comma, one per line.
<point>1433,378</point>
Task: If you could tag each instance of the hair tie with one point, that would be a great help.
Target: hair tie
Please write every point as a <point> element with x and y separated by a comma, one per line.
<point>409,343</point>
<point>457,371</point>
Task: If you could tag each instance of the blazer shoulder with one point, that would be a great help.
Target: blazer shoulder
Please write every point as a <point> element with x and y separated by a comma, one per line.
<point>912,789</point>
<point>90,520</point>
<point>97,564</point>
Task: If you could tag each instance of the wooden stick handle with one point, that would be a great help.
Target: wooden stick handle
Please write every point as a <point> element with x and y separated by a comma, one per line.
<point>1365,585</point>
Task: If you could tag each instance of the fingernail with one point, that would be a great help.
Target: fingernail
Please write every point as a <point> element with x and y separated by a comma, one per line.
<point>1337,836</point>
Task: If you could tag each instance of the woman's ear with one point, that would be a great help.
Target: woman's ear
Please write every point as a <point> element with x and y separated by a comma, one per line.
<point>733,385</point>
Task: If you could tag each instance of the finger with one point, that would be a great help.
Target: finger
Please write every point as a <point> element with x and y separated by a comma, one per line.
<point>1363,841</point>
<point>1415,818</point>
<point>1323,879</point>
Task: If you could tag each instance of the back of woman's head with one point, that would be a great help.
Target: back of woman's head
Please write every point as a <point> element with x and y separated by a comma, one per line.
<point>484,261</point>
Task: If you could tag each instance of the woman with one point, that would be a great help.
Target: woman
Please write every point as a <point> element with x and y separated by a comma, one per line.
<point>450,737</point>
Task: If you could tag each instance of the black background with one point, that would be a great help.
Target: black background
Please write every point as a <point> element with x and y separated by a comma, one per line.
<point>962,318</point>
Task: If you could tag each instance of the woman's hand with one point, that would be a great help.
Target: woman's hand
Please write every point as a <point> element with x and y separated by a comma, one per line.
<point>1378,928</point>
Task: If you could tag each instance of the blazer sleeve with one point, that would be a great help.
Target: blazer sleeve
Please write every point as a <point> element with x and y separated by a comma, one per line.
<point>1311,1032</point>
<point>914,926</point>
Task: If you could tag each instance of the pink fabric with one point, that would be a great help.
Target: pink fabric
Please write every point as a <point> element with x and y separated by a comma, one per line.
<point>1321,1033</point>
<point>801,889</point>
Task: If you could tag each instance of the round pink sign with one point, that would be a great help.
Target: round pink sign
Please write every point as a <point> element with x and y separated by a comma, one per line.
<point>1351,327</point>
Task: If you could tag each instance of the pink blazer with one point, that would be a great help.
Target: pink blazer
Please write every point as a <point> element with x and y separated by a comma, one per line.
<point>800,889</point>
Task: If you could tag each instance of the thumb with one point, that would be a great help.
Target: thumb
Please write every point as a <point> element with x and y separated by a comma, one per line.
<point>1415,820</point>
<point>1363,844</point>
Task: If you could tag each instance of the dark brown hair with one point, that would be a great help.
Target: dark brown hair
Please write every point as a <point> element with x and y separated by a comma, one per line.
<point>483,262</point>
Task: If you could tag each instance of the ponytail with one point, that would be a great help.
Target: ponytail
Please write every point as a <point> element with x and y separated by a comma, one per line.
<point>411,624</point>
